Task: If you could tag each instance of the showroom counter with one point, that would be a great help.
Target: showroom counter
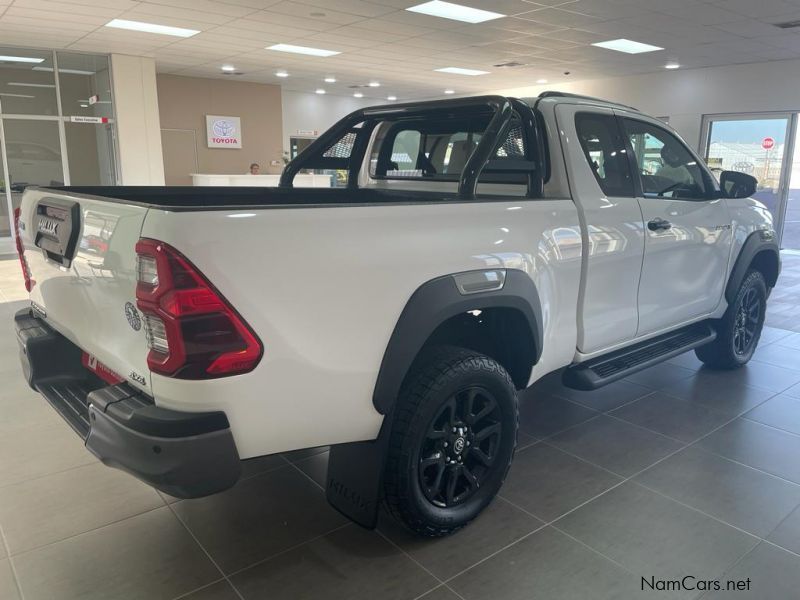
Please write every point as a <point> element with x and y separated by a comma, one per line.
<point>247,180</point>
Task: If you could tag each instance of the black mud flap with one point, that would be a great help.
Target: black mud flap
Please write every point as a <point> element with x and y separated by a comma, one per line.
<point>355,477</point>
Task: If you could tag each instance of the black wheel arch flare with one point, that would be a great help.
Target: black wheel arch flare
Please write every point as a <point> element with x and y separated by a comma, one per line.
<point>433,303</point>
<point>758,242</point>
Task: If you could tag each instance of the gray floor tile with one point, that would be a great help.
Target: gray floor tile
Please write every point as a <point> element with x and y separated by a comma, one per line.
<point>793,391</point>
<point>787,534</point>
<point>87,498</point>
<point>547,482</point>
<point>40,450</point>
<point>147,557</point>
<point>759,446</point>
<point>774,575</point>
<point>754,374</point>
<point>259,517</point>
<point>739,495</point>
<point>545,415</point>
<point>222,590</point>
<point>670,416</point>
<point>770,335</point>
<point>776,354</point>
<point>722,395</point>
<point>653,536</point>
<point>440,593</point>
<point>8,586</point>
<point>498,526</point>
<point>615,445</point>
<point>25,409</point>
<point>660,376</point>
<point>789,340</point>
<point>345,564</point>
<point>547,565</point>
<point>782,411</point>
<point>316,467</point>
<point>687,360</point>
<point>607,397</point>
<point>262,464</point>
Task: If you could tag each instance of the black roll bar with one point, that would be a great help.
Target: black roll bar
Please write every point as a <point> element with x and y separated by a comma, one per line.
<point>503,109</point>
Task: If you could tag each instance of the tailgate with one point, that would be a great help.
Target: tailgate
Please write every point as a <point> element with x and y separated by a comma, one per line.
<point>80,252</point>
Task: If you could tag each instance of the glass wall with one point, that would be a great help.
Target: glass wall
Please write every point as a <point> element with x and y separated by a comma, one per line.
<point>56,124</point>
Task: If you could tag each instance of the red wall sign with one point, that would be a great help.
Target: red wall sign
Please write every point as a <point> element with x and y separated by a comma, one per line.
<point>767,143</point>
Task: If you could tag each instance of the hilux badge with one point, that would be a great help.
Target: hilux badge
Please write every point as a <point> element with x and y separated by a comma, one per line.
<point>134,320</point>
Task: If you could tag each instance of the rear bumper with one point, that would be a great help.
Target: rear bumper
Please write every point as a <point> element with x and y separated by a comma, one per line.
<point>184,454</point>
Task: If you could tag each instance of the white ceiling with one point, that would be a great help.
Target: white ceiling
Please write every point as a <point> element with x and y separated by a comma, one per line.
<point>379,40</point>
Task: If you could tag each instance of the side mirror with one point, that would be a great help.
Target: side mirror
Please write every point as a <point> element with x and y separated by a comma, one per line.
<point>735,184</point>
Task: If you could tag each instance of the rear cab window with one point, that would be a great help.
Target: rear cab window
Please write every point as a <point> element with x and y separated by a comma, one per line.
<point>437,150</point>
<point>604,150</point>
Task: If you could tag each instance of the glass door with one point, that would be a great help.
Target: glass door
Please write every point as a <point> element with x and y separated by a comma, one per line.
<point>760,145</point>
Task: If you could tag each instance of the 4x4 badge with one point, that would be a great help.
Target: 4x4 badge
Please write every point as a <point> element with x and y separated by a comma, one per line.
<point>134,320</point>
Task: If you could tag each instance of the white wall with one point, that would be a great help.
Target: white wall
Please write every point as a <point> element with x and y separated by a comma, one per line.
<point>138,125</point>
<point>316,111</point>
<point>686,95</point>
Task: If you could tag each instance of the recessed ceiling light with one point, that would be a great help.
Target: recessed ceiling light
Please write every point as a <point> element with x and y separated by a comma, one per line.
<point>320,91</point>
<point>21,59</point>
<point>391,98</point>
<point>448,10</point>
<point>449,91</point>
<point>228,68</point>
<point>672,65</point>
<point>17,95</point>
<point>281,74</point>
<point>34,85</point>
<point>627,46</point>
<point>84,106</point>
<point>60,70</point>
<point>541,81</point>
<point>374,84</point>
<point>358,95</point>
<point>460,71</point>
<point>151,28</point>
<point>302,50</point>
<point>330,80</point>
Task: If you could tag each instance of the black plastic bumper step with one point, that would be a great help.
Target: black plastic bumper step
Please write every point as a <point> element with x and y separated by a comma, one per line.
<point>600,371</point>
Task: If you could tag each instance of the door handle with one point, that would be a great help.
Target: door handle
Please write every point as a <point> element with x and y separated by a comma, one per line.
<point>659,224</point>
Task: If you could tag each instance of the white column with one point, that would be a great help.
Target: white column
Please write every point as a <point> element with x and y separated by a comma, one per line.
<point>138,123</point>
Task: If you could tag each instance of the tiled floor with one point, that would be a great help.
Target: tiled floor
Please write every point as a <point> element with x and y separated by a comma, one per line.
<point>677,471</point>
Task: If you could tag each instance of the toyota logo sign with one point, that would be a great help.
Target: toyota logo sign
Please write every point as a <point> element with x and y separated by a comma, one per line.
<point>223,132</point>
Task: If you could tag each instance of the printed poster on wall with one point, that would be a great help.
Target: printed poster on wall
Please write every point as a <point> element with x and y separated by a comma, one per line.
<point>223,132</point>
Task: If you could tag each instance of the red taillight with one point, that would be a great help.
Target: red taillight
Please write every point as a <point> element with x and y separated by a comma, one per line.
<point>192,331</point>
<point>26,272</point>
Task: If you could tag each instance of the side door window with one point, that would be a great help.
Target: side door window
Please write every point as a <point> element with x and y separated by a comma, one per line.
<point>604,150</point>
<point>666,167</point>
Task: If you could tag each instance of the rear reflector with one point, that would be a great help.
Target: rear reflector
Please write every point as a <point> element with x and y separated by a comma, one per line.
<point>26,271</point>
<point>192,330</point>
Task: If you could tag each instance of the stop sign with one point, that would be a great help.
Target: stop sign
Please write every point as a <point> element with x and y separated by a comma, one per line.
<point>767,143</point>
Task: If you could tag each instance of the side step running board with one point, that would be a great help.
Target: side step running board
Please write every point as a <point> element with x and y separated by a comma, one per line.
<point>608,368</point>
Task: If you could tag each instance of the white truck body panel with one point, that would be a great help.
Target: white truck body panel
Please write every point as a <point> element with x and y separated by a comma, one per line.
<point>325,311</point>
<point>87,301</point>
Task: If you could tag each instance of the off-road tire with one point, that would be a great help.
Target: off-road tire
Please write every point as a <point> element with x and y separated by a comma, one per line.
<point>443,380</point>
<point>739,330</point>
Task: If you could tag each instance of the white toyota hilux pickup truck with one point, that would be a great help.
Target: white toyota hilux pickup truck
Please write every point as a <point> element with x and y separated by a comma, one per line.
<point>478,245</point>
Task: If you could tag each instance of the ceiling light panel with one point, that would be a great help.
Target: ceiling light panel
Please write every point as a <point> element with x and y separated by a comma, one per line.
<point>302,50</point>
<point>152,28</point>
<point>627,46</point>
<point>20,59</point>
<point>456,12</point>
<point>460,71</point>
